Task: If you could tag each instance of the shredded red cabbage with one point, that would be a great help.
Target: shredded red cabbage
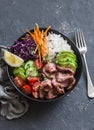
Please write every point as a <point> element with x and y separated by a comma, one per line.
<point>24,48</point>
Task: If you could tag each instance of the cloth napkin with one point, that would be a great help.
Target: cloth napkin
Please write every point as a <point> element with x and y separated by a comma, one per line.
<point>12,104</point>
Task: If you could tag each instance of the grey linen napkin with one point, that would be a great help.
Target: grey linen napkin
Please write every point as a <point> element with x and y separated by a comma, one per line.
<point>12,104</point>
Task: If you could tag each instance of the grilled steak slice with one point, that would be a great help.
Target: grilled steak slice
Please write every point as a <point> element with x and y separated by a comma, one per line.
<point>45,87</point>
<point>65,70</point>
<point>50,68</point>
<point>60,77</point>
<point>71,83</point>
<point>58,86</point>
<point>65,79</point>
<point>52,94</point>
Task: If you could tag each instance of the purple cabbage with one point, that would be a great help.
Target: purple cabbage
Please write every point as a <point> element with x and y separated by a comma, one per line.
<point>24,48</point>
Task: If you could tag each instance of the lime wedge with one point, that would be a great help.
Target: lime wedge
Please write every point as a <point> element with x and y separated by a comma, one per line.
<point>12,60</point>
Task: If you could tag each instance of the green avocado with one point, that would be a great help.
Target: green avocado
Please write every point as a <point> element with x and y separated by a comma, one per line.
<point>64,55</point>
<point>66,59</point>
<point>67,52</point>
<point>68,64</point>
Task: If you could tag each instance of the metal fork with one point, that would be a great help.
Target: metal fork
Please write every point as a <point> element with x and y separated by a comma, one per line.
<point>81,45</point>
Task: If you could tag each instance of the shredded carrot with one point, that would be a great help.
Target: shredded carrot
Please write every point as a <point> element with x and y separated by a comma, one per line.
<point>45,33</point>
<point>39,36</point>
<point>36,48</point>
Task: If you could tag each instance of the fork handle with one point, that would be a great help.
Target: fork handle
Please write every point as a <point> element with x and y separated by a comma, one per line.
<point>90,87</point>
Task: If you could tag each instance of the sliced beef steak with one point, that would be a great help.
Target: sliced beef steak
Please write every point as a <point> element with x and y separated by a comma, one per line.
<point>58,86</point>
<point>59,79</point>
<point>51,94</point>
<point>65,70</point>
<point>50,68</point>
<point>45,87</point>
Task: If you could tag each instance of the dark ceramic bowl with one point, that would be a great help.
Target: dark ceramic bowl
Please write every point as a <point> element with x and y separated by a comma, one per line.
<point>77,74</point>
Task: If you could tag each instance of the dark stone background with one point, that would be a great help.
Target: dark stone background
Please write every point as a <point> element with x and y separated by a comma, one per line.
<point>75,111</point>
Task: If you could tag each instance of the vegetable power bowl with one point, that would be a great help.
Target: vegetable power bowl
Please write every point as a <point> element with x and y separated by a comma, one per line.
<point>43,64</point>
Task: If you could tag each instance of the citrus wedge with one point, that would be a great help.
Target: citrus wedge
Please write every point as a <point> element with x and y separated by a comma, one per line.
<point>12,60</point>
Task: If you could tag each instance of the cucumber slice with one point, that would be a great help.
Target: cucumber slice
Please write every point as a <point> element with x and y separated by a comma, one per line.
<point>22,75</point>
<point>28,64</point>
<point>23,65</point>
<point>18,70</point>
<point>32,71</point>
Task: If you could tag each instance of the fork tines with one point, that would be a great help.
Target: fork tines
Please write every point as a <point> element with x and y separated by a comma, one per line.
<point>80,39</point>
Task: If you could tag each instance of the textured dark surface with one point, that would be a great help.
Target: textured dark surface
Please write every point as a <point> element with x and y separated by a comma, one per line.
<point>75,111</point>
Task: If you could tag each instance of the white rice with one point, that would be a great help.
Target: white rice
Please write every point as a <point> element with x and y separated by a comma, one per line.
<point>56,43</point>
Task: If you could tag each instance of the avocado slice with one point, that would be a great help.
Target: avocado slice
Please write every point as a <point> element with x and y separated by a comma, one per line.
<point>66,59</point>
<point>64,55</point>
<point>67,52</point>
<point>68,64</point>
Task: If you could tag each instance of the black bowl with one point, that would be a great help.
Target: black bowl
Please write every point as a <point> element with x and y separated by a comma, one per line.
<point>77,74</point>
